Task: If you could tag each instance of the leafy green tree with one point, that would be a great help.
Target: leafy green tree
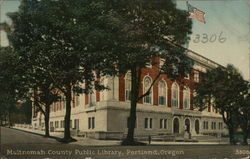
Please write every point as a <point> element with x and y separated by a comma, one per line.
<point>8,83</point>
<point>130,33</point>
<point>224,89</point>
<point>244,113</point>
<point>50,37</point>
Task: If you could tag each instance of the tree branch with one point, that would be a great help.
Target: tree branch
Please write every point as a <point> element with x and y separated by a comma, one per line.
<point>149,89</point>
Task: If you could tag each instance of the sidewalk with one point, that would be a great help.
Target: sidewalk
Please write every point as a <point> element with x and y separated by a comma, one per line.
<point>94,142</point>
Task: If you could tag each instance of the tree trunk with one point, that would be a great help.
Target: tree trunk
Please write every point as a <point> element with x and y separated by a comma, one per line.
<point>9,119</point>
<point>67,136</point>
<point>5,119</point>
<point>46,120</point>
<point>231,136</point>
<point>132,120</point>
<point>133,104</point>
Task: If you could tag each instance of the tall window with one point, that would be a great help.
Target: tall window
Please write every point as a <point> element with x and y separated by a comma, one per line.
<point>196,76</point>
<point>128,86</point>
<point>76,123</point>
<point>77,100</point>
<point>63,102</point>
<point>175,95</point>
<point>57,106</point>
<point>62,124</point>
<point>186,98</point>
<point>91,122</point>
<point>163,123</point>
<point>161,64</point>
<point>148,123</point>
<point>147,83</point>
<point>92,99</point>
<point>162,93</point>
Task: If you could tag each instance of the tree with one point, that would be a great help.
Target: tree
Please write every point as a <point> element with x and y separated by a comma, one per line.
<point>51,37</point>
<point>223,89</point>
<point>135,31</point>
<point>244,113</point>
<point>87,39</point>
<point>8,83</point>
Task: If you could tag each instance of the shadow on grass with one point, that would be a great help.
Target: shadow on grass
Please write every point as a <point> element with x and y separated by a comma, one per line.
<point>67,140</point>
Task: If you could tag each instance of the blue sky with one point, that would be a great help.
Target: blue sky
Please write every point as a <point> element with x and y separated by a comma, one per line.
<point>229,17</point>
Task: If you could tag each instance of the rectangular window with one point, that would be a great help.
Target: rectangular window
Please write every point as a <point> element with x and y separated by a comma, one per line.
<point>91,122</point>
<point>205,125</point>
<point>64,102</point>
<point>70,124</point>
<point>77,100</point>
<point>162,100</point>
<point>56,124</point>
<point>147,99</point>
<point>92,99</point>
<point>163,123</point>
<point>148,123</point>
<point>57,106</point>
<point>76,124</point>
<point>51,124</point>
<point>128,94</point>
<point>62,124</point>
<point>196,76</point>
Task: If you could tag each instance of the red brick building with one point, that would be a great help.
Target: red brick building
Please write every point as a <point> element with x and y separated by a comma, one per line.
<point>168,109</point>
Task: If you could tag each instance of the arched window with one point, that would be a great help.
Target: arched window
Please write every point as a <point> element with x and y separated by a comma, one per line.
<point>162,93</point>
<point>186,98</point>
<point>175,95</point>
<point>128,86</point>
<point>146,84</point>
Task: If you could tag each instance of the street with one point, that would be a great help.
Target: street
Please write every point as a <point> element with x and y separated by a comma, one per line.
<point>23,145</point>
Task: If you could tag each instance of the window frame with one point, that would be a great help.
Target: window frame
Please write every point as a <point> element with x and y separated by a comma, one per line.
<point>186,96</point>
<point>150,96</point>
<point>178,95</point>
<point>128,90</point>
<point>164,95</point>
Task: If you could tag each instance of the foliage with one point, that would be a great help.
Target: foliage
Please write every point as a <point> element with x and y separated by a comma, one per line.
<point>135,31</point>
<point>50,38</point>
<point>224,89</point>
<point>8,81</point>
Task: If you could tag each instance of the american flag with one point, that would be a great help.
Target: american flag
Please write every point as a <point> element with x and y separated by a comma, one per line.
<point>196,13</point>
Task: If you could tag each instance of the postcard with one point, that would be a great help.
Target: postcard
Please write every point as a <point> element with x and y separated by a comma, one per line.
<point>116,79</point>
